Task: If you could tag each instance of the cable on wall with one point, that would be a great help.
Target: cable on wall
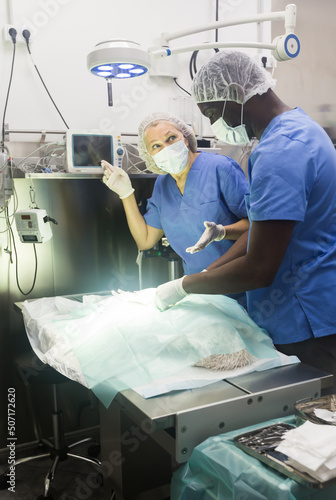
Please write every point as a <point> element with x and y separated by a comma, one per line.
<point>12,32</point>
<point>26,36</point>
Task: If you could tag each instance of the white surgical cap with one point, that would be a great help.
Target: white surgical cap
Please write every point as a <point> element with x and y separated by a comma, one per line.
<point>154,119</point>
<point>230,76</point>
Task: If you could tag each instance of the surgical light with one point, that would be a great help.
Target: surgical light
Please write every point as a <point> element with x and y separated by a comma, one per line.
<point>123,75</point>
<point>138,71</point>
<point>126,66</point>
<point>118,59</point>
<point>125,59</point>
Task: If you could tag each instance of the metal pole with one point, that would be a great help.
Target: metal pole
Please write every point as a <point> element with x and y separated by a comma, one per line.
<point>173,269</point>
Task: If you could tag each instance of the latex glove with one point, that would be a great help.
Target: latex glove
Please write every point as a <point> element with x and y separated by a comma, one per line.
<point>213,232</point>
<point>117,180</point>
<point>169,293</point>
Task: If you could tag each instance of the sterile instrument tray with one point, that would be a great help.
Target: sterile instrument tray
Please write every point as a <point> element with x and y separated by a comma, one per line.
<point>261,444</point>
<point>304,409</point>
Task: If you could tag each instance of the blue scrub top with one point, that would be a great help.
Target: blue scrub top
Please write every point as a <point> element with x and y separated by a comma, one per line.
<point>292,176</point>
<point>214,191</point>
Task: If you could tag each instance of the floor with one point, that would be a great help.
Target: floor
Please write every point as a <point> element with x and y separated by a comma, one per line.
<point>74,479</point>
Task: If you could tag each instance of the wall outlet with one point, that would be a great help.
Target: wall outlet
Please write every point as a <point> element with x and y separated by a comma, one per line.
<point>19,37</point>
<point>271,62</point>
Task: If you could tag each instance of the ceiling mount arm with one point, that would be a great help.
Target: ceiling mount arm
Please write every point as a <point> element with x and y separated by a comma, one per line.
<point>216,45</point>
<point>288,15</point>
<point>283,47</point>
<point>121,59</point>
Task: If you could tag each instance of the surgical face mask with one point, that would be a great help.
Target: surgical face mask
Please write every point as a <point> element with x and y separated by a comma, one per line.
<point>172,159</point>
<point>231,135</point>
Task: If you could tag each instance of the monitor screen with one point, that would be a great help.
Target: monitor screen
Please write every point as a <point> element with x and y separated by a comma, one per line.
<point>29,238</point>
<point>89,149</point>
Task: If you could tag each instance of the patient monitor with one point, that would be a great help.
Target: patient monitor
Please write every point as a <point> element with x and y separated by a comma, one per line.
<point>85,150</point>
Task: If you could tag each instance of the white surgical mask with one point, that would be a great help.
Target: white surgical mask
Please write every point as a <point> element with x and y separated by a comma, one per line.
<point>230,135</point>
<point>173,158</point>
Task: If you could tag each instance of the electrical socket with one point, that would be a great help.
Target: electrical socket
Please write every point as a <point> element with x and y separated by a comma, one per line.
<point>19,38</point>
<point>271,62</point>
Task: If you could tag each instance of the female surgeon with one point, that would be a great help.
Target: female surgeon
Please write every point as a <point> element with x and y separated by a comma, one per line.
<point>191,188</point>
<point>287,262</point>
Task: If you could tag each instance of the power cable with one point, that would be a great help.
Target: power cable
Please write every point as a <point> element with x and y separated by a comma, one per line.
<point>193,58</point>
<point>12,32</point>
<point>216,30</point>
<point>26,36</point>
<point>184,90</point>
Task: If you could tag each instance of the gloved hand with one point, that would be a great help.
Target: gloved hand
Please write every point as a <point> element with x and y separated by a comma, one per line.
<point>169,293</point>
<point>117,180</point>
<point>213,232</point>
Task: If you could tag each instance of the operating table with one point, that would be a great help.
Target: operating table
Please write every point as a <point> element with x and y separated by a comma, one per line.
<point>144,440</point>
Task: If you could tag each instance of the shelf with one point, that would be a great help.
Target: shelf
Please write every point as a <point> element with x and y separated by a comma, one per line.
<point>66,175</point>
<point>62,175</point>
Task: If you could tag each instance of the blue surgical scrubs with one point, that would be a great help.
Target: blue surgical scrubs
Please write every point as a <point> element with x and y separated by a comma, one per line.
<point>214,191</point>
<point>292,176</point>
